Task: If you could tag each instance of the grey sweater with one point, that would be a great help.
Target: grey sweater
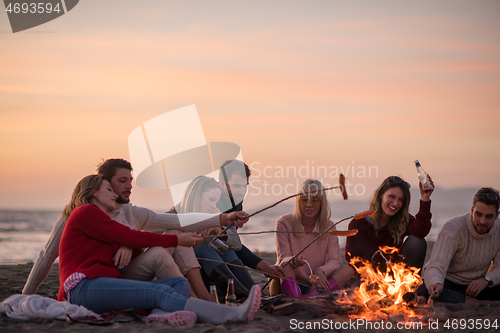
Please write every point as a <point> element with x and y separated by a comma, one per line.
<point>461,255</point>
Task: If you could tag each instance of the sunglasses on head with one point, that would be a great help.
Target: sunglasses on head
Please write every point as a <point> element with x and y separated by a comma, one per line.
<point>314,201</point>
<point>488,197</point>
<point>397,180</point>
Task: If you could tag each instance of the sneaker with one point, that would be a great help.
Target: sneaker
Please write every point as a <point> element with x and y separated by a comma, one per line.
<point>177,318</point>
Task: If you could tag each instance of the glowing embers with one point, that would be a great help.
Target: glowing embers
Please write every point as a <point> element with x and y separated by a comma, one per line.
<point>387,289</point>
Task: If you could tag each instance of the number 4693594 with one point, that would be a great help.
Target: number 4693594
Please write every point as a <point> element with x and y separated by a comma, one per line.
<point>473,324</point>
<point>32,8</point>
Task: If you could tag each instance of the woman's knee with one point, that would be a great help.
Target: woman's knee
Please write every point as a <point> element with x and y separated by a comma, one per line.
<point>414,250</point>
<point>229,256</point>
<point>342,275</point>
<point>178,283</point>
<point>415,242</point>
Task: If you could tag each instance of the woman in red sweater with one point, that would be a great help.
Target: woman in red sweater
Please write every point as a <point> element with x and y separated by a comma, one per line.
<point>89,276</point>
<point>392,223</point>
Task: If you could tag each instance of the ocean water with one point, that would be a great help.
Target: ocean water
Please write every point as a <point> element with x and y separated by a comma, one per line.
<point>23,233</point>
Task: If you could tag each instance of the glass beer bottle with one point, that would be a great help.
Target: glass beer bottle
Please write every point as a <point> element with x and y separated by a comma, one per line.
<point>230,296</point>
<point>422,176</point>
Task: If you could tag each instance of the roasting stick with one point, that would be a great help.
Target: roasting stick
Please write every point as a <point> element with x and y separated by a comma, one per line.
<point>356,217</point>
<point>341,186</point>
<point>351,232</point>
<point>248,268</point>
<point>430,301</point>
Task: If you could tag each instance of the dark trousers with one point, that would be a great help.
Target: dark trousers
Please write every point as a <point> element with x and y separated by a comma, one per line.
<point>455,293</point>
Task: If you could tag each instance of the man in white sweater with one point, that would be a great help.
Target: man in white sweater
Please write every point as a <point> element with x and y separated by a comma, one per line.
<point>458,270</point>
<point>155,262</point>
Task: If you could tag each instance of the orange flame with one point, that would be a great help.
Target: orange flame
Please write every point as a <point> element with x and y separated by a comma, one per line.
<point>382,292</point>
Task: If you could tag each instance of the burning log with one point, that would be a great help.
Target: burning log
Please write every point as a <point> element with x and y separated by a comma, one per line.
<point>388,289</point>
<point>343,303</point>
<point>410,299</point>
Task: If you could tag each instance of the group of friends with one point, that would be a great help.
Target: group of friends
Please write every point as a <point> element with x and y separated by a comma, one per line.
<point>107,262</point>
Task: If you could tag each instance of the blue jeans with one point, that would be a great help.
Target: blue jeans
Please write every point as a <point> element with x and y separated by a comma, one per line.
<point>107,294</point>
<point>205,251</point>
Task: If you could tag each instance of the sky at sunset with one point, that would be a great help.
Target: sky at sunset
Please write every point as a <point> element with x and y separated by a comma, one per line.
<point>363,88</point>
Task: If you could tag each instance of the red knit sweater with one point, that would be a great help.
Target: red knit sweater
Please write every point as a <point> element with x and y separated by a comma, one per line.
<point>91,239</point>
<point>364,244</point>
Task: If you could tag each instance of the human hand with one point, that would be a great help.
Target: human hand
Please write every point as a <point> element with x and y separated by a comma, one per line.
<point>426,194</point>
<point>435,289</point>
<point>298,261</point>
<point>237,219</point>
<point>321,282</point>
<point>122,256</point>
<point>268,269</point>
<point>476,286</point>
<point>207,232</point>
<point>188,239</point>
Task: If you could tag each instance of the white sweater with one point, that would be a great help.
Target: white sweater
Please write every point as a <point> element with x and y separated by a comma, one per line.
<point>461,255</point>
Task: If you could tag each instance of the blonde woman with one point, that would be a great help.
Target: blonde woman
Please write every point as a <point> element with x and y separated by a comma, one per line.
<point>391,223</point>
<point>310,217</point>
<point>89,277</point>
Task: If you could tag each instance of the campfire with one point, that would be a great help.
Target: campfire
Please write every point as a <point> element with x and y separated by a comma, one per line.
<point>387,289</point>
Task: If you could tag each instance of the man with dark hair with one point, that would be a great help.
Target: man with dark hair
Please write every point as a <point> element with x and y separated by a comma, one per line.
<point>155,262</point>
<point>466,247</point>
<point>234,179</point>
<point>109,168</point>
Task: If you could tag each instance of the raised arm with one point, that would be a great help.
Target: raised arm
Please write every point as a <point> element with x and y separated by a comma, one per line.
<point>45,259</point>
<point>420,225</point>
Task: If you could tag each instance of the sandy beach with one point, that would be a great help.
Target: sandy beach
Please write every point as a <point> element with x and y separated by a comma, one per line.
<point>13,277</point>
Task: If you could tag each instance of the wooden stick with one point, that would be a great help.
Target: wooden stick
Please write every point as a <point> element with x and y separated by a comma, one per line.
<point>317,237</point>
<point>341,186</point>
<point>250,269</point>
<point>268,207</point>
<point>350,232</point>
<point>289,197</point>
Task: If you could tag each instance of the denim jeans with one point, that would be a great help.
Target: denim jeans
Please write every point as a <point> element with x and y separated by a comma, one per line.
<point>107,294</point>
<point>205,251</point>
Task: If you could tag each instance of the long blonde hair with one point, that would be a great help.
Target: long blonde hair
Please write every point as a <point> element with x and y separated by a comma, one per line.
<point>398,223</point>
<point>83,193</point>
<point>312,188</point>
<point>190,202</point>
